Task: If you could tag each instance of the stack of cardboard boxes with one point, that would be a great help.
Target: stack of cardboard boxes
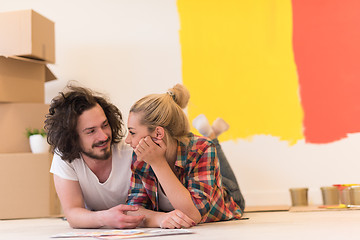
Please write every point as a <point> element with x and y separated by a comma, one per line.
<point>27,45</point>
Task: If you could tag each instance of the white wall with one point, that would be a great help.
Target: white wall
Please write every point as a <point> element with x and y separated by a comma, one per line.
<point>124,48</point>
<point>266,168</point>
<point>129,48</point>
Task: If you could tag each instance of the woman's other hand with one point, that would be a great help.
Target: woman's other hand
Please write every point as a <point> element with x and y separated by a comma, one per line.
<point>175,219</point>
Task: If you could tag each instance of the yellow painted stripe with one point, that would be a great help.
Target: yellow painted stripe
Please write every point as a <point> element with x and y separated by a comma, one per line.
<point>238,64</point>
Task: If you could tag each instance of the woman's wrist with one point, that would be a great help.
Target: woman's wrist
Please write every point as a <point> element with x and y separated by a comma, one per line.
<point>159,164</point>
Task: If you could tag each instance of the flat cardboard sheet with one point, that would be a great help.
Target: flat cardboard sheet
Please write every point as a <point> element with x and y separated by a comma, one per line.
<point>317,208</point>
<point>274,208</point>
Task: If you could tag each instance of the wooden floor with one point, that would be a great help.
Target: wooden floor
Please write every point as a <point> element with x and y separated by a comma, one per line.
<point>332,224</point>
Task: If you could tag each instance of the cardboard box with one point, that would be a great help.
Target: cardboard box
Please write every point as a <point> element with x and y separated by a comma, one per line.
<point>23,80</point>
<point>15,118</point>
<point>26,187</point>
<point>27,33</point>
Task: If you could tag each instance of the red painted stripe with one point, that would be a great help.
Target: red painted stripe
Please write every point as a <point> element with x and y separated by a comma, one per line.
<point>327,54</point>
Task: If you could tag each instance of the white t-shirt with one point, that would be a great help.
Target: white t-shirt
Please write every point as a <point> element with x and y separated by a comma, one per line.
<point>99,196</point>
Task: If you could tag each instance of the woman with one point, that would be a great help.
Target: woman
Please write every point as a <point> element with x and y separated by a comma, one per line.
<point>175,175</point>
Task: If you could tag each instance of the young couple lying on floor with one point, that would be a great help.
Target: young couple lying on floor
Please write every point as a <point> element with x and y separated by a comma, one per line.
<point>162,175</point>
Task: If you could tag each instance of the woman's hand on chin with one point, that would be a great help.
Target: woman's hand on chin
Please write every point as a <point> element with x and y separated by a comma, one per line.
<point>149,151</point>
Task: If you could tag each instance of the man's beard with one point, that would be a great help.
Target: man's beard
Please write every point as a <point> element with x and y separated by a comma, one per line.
<point>106,152</point>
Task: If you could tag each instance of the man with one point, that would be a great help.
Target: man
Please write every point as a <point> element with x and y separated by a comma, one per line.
<point>91,163</point>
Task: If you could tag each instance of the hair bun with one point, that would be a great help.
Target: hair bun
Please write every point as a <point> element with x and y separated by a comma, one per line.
<point>180,95</point>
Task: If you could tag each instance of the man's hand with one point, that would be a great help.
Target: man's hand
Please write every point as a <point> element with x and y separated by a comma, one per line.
<point>149,151</point>
<point>116,217</point>
<point>175,219</point>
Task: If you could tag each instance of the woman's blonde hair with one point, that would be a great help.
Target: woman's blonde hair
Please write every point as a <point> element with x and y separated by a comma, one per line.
<point>165,110</point>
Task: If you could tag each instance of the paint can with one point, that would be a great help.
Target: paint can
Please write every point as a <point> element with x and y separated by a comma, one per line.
<point>330,195</point>
<point>355,196</point>
<point>299,196</point>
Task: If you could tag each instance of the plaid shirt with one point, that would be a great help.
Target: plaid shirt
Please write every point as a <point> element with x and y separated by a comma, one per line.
<point>198,169</point>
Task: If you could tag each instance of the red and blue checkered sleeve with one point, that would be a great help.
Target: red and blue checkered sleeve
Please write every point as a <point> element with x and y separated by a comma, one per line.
<point>137,194</point>
<point>202,177</point>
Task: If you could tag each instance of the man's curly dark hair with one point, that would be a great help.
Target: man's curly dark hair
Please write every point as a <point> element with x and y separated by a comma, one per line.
<point>64,111</point>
